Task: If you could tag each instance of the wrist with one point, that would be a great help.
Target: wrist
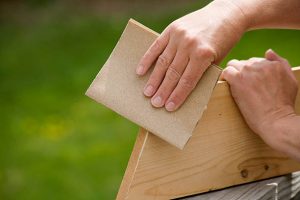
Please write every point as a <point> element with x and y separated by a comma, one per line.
<point>273,122</point>
<point>236,14</point>
<point>275,130</point>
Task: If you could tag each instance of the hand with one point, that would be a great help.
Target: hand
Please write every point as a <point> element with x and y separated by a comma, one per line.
<point>265,91</point>
<point>186,48</point>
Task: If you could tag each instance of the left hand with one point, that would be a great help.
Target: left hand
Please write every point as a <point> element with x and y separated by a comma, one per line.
<point>265,91</point>
<point>186,48</point>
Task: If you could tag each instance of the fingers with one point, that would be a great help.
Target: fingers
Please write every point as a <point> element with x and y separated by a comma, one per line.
<point>236,69</point>
<point>153,52</point>
<point>236,64</point>
<point>186,84</point>
<point>230,74</point>
<point>241,65</point>
<point>171,79</point>
<point>232,71</point>
<point>272,56</point>
<point>162,64</point>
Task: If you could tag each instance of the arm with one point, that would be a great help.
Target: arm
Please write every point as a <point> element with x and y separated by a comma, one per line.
<point>265,91</point>
<point>270,13</point>
<point>190,44</point>
<point>289,130</point>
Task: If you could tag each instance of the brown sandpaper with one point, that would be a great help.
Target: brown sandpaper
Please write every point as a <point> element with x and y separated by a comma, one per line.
<point>119,88</point>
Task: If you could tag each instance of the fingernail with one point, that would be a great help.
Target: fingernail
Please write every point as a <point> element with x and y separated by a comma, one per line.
<point>148,90</point>
<point>139,70</point>
<point>170,106</point>
<point>156,101</point>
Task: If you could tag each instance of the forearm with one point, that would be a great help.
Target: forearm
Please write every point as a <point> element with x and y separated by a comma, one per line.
<point>258,14</point>
<point>270,13</point>
<point>287,131</point>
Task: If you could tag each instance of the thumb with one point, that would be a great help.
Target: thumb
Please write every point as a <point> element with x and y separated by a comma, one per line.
<point>273,56</point>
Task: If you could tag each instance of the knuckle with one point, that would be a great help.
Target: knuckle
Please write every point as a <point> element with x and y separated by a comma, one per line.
<point>243,75</point>
<point>198,52</point>
<point>163,61</point>
<point>189,40</point>
<point>205,52</point>
<point>226,73</point>
<point>252,63</point>
<point>180,30</point>
<point>247,67</point>
<point>233,62</point>
<point>232,77</point>
<point>255,60</point>
<point>189,43</point>
<point>188,82</point>
<point>172,74</point>
<point>156,45</point>
<point>174,25</point>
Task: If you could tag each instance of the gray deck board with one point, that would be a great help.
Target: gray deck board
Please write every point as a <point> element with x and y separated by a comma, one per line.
<point>278,188</point>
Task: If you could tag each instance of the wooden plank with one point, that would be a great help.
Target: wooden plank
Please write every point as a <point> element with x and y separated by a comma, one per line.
<point>222,152</point>
<point>131,167</point>
<point>283,187</point>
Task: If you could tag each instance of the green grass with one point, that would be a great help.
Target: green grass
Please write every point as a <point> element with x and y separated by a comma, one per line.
<point>55,143</point>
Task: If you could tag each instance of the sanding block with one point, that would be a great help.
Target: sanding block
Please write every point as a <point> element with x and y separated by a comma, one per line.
<point>119,88</point>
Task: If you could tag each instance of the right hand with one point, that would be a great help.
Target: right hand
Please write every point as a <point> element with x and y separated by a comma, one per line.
<point>186,48</point>
<point>265,91</point>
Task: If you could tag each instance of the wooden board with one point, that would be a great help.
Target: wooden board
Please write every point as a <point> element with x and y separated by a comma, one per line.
<point>282,187</point>
<point>222,152</point>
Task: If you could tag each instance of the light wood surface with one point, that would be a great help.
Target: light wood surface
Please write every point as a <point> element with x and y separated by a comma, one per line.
<point>279,188</point>
<point>222,152</point>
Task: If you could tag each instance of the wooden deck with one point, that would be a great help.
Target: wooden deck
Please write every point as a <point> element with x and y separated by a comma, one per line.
<point>279,188</point>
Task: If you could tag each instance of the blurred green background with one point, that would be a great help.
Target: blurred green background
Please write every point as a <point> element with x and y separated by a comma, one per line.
<point>55,143</point>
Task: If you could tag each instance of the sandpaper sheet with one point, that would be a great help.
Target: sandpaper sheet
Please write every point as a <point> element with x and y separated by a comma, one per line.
<point>119,88</point>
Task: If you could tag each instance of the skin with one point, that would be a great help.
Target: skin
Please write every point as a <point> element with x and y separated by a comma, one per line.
<point>256,81</point>
<point>189,45</point>
<point>186,48</point>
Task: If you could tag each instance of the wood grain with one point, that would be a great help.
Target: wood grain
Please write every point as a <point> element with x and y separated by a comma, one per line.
<point>222,152</point>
